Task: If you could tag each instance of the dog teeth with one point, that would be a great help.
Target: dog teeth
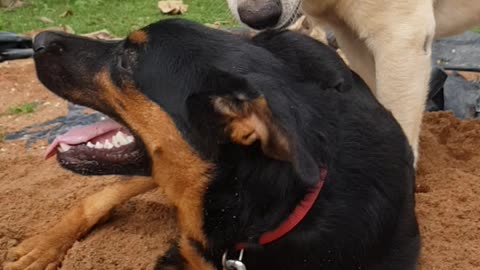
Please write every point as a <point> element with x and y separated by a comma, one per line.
<point>115,141</point>
<point>122,138</point>
<point>98,145</point>
<point>64,147</point>
<point>118,140</point>
<point>108,145</point>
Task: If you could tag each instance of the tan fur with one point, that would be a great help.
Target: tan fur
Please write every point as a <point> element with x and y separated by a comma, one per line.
<point>455,16</point>
<point>389,44</point>
<point>176,168</point>
<point>195,261</point>
<point>309,27</point>
<point>138,37</point>
<point>252,121</point>
<point>46,250</point>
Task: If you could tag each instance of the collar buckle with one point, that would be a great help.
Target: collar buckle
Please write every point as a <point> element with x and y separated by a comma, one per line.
<point>233,264</point>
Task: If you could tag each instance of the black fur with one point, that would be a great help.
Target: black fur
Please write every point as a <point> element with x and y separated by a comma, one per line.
<point>364,217</point>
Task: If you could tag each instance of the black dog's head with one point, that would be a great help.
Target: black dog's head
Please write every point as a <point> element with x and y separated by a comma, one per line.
<point>176,79</point>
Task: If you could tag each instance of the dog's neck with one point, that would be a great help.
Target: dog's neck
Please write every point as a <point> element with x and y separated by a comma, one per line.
<point>300,211</point>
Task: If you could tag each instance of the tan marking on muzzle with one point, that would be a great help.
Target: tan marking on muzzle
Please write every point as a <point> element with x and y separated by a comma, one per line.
<point>176,167</point>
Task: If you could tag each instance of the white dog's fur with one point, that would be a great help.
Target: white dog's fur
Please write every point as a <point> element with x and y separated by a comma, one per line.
<point>389,44</point>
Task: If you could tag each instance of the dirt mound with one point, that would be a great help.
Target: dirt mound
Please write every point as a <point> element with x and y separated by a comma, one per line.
<point>35,193</point>
<point>448,195</point>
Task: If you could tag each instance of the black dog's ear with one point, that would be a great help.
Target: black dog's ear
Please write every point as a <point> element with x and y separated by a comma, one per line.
<point>247,121</point>
<point>243,113</point>
<point>235,106</point>
<point>250,120</point>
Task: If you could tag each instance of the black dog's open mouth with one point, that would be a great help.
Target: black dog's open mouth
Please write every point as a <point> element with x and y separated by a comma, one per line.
<point>105,147</point>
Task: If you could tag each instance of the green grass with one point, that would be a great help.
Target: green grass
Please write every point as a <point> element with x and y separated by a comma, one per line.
<point>117,16</point>
<point>22,109</point>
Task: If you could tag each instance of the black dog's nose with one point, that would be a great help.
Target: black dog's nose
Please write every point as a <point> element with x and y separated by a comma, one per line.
<point>45,41</point>
<point>260,14</point>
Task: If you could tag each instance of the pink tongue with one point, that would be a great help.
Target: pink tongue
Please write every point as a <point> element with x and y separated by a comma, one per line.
<point>82,134</point>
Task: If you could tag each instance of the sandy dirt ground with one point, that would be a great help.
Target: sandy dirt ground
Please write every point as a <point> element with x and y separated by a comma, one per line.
<point>34,193</point>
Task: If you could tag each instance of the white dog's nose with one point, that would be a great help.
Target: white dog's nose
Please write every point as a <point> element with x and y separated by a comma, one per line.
<point>260,14</point>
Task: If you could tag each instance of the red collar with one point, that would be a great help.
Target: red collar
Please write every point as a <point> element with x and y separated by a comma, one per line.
<point>295,217</point>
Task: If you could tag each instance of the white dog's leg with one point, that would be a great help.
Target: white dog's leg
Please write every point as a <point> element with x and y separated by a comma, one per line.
<point>359,57</point>
<point>402,55</point>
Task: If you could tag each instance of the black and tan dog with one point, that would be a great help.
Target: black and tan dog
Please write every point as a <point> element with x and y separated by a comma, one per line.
<point>257,144</point>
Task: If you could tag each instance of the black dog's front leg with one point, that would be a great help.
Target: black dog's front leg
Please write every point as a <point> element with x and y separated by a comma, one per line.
<point>171,260</point>
<point>184,254</point>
